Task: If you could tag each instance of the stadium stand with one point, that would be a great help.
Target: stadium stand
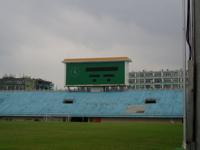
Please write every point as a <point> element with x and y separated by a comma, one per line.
<point>149,103</point>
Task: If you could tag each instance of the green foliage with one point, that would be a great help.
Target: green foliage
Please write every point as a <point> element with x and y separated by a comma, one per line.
<point>28,135</point>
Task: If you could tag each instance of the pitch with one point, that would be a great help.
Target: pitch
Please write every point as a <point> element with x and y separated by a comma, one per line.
<point>29,135</point>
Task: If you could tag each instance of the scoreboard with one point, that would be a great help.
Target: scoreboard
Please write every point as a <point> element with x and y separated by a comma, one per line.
<point>96,73</point>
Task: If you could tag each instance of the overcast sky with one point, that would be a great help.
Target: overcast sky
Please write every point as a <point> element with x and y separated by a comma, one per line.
<point>36,35</point>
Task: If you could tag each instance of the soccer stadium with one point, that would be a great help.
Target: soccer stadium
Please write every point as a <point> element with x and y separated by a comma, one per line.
<point>96,92</point>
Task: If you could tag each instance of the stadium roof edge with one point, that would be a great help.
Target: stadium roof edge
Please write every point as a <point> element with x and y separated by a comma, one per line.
<point>97,59</point>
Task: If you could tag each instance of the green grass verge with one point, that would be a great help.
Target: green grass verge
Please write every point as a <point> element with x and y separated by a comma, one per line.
<point>28,135</point>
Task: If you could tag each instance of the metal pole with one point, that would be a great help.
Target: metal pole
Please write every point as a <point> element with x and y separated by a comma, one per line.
<point>193,98</point>
<point>197,71</point>
<point>184,69</point>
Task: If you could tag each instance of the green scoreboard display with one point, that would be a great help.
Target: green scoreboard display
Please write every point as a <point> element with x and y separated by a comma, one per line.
<point>96,72</point>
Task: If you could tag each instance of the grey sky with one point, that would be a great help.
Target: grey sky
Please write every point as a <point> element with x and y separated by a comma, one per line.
<point>36,35</point>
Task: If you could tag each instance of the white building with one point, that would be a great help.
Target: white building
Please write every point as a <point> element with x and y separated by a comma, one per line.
<point>164,79</point>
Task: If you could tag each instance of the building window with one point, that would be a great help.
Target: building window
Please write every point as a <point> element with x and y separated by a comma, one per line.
<point>131,81</point>
<point>148,74</point>
<point>166,86</point>
<point>175,86</point>
<point>166,80</point>
<point>175,80</point>
<point>142,86</point>
<point>174,74</point>
<point>148,86</point>
<point>137,74</point>
<point>159,80</point>
<point>131,74</point>
<point>181,79</point>
<point>141,80</point>
<point>167,74</point>
<point>158,86</point>
<point>137,86</point>
<point>141,74</point>
<point>149,81</point>
<point>137,80</point>
<point>157,74</point>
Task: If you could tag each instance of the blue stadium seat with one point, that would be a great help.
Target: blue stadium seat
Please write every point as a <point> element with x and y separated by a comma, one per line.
<point>168,103</point>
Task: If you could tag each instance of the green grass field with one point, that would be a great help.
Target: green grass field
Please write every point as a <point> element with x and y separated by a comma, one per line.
<point>29,135</point>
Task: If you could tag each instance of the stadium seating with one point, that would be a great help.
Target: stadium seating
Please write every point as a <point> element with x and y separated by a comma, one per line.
<point>161,104</point>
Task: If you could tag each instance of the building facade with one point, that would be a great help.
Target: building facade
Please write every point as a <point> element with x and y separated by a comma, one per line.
<point>164,79</point>
<point>24,83</point>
